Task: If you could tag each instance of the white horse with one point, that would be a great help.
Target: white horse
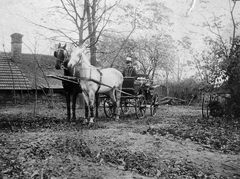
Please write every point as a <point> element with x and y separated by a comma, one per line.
<point>93,80</point>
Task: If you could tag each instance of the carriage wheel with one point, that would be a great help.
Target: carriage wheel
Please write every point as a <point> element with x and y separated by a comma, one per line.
<point>108,107</point>
<point>140,106</point>
<point>125,106</point>
<point>154,104</point>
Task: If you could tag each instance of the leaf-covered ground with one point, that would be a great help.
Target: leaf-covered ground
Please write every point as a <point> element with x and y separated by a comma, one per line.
<point>210,133</point>
<point>176,143</point>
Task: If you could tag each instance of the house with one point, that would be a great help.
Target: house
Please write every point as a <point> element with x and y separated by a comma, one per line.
<point>21,75</point>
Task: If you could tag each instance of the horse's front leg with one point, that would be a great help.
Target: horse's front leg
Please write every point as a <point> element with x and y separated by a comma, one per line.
<point>74,99</point>
<point>91,104</point>
<point>67,95</point>
<point>97,104</point>
<point>85,121</point>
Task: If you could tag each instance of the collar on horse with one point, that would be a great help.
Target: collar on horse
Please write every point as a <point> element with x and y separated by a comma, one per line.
<point>93,80</point>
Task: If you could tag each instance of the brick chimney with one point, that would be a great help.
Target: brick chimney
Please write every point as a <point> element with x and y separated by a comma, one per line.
<point>16,48</point>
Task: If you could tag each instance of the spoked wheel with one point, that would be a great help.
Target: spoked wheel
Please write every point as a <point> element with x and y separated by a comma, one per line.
<point>154,104</point>
<point>125,106</point>
<point>108,107</point>
<point>140,106</point>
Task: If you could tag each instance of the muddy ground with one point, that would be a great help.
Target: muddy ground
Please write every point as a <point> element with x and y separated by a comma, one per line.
<point>176,143</point>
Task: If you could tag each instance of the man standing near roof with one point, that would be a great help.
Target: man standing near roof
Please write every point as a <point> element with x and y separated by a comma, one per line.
<point>129,71</point>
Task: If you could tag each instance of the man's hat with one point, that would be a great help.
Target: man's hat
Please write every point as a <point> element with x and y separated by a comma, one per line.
<point>129,59</point>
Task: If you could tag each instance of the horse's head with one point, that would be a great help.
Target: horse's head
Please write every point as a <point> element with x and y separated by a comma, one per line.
<point>77,57</point>
<point>61,55</point>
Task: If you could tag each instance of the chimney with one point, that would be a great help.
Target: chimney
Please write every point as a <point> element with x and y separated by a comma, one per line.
<point>16,48</point>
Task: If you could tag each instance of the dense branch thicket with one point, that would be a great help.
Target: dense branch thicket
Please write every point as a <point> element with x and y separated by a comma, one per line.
<point>231,67</point>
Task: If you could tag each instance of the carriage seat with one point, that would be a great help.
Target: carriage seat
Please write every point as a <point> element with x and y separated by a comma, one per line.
<point>128,85</point>
<point>143,79</point>
<point>142,76</point>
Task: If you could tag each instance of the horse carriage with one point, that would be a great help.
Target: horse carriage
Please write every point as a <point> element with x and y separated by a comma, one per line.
<point>215,104</point>
<point>120,93</point>
<point>136,97</point>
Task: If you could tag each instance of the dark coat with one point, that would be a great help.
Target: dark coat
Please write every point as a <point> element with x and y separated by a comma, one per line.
<point>130,72</point>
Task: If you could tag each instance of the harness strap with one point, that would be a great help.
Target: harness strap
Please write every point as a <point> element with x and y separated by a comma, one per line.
<point>95,81</point>
<point>100,83</point>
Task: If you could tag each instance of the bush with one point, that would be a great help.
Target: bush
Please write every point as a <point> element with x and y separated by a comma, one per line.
<point>187,89</point>
<point>231,66</point>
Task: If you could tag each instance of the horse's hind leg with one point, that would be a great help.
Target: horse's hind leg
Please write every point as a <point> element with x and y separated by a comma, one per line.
<point>118,96</point>
<point>74,98</point>
<point>113,98</point>
<point>118,99</point>
<point>86,99</point>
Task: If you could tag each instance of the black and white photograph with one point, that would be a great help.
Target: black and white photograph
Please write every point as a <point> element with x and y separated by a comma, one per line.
<point>120,89</point>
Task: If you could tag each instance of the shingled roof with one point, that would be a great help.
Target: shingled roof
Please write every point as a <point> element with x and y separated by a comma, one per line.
<point>45,66</point>
<point>11,77</point>
<point>20,71</point>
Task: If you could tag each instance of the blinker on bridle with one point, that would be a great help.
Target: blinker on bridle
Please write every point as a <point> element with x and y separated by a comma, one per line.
<point>65,57</point>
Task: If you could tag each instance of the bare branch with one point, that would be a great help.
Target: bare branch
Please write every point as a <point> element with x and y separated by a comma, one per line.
<point>234,24</point>
<point>211,30</point>
<point>125,41</point>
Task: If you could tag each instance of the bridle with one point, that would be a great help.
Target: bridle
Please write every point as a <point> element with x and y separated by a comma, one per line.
<point>65,55</point>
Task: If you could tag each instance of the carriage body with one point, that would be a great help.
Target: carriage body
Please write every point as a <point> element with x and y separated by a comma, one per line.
<point>133,88</point>
<point>139,95</point>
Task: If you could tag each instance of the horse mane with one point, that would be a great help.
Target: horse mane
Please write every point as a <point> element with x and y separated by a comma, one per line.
<point>86,59</point>
<point>82,51</point>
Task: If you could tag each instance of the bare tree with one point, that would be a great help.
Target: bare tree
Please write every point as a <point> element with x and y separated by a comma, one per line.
<point>155,54</point>
<point>94,19</point>
<point>133,19</point>
<point>79,22</point>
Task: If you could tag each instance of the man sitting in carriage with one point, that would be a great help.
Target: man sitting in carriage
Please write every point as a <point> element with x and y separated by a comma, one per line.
<point>129,71</point>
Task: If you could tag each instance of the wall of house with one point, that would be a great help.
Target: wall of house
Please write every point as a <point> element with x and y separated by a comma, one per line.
<point>25,97</point>
<point>9,97</point>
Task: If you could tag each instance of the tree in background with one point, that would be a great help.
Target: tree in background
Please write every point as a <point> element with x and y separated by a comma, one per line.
<point>154,54</point>
<point>221,63</point>
<point>79,22</point>
<point>148,51</point>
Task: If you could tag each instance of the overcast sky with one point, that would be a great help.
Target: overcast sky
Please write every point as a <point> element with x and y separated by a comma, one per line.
<point>15,13</point>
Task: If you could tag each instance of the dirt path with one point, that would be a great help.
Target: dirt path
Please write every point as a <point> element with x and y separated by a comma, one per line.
<point>128,135</point>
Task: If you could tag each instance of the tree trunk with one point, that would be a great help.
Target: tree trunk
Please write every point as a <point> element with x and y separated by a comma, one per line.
<point>167,83</point>
<point>178,72</point>
<point>36,86</point>
<point>92,29</point>
<point>80,28</point>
